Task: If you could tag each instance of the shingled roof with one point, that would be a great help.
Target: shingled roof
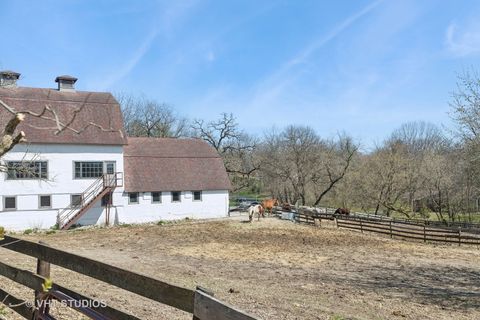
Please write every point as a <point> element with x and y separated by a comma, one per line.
<point>97,118</point>
<point>167,164</point>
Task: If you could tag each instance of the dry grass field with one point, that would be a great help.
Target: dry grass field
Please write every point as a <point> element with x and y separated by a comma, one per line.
<point>275,270</point>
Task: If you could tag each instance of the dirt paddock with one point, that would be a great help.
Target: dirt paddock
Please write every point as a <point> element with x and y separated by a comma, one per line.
<point>273,269</point>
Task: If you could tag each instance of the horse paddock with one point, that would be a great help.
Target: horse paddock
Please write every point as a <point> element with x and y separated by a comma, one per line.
<point>273,269</point>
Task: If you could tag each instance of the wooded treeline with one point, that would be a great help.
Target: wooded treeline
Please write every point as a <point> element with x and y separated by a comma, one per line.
<point>419,167</point>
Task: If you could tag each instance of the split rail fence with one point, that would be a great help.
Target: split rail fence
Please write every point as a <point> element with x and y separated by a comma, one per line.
<point>199,302</point>
<point>421,231</point>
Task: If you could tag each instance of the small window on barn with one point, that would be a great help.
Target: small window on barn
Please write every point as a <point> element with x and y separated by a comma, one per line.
<point>197,195</point>
<point>156,197</point>
<point>107,200</point>
<point>110,167</point>
<point>133,197</point>
<point>45,202</point>
<point>75,200</point>
<point>10,203</point>
<point>176,196</point>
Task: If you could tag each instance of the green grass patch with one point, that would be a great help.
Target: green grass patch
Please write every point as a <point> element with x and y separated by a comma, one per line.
<point>28,231</point>
<point>125,225</point>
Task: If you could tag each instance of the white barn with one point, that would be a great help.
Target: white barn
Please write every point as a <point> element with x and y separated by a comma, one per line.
<point>91,173</point>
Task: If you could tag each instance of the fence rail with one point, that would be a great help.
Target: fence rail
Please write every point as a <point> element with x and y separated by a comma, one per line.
<point>405,229</point>
<point>199,302</point>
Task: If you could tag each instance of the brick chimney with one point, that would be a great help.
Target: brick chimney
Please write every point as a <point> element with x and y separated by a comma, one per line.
<point>8,79</point>
<point>66,83</point>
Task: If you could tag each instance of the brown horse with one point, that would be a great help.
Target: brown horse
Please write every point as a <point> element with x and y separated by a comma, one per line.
<point>344,211</point>
<point>287,206</point>
<point>268,204</point>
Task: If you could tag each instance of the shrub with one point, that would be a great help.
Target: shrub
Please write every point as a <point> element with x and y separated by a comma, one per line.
<point>3,311</point>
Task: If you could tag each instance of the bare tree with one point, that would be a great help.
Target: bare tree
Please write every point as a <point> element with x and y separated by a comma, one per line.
<point>419,137</point>
<point>289,160</point>
<point>336,159</point>
<point>390,178</point>
<point>10,138</point>
<point>148,118</point>
<point>466,106</point>
<point>235,147</point>
<point>465,113</point>
<point>303,165</point>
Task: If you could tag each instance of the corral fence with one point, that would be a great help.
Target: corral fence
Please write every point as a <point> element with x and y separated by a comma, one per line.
<point>395,228</point>
<point>472,227</point>
<point>200,302</point>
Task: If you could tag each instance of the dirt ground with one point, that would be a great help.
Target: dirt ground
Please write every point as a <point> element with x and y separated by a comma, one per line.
<point>274,269</point>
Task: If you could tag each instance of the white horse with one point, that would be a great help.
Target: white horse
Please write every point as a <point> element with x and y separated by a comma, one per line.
<point>256,209</point>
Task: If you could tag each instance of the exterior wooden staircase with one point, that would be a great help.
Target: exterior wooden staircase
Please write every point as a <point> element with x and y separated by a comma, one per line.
<point>101,187</point>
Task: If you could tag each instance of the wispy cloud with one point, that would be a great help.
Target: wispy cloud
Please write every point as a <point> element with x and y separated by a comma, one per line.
<point>276,82</point>
<point>169,19</point>
<point>126,68</point>
<point>278,91</point>
<point>320,42</point>
<point>462,41</point>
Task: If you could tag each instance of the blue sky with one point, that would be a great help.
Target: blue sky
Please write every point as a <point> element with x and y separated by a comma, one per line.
<point>360,66</point>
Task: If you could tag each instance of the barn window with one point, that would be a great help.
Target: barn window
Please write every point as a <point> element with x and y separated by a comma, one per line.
<point>176,196</point>
<point>27,170</point>
<point>91,169</point>
<point>197,195</point>
<point>10,203</point>
<point>156,197</point>
<point>45,202</point>
<point>133,197</point>
<point>75,200</point>
<point>110,167</point>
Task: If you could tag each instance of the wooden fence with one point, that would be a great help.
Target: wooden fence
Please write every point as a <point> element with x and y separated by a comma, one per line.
<point>406,229</point>
<point>199,302</point>
<point>474,227</point>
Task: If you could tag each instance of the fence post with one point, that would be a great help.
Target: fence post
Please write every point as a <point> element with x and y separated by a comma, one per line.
<point>204,290</point>
<point>361,226</point>
<point>43,269</point>
<point>459,236</point>
<point>391,232</point>
<point>424,233</point>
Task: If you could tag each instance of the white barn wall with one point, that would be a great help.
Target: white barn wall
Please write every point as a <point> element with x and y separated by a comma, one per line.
<point>60,184</point>
<point>60,166</point>
<point>21,220</point>
<point>214,204</point>
<point>97,214</point>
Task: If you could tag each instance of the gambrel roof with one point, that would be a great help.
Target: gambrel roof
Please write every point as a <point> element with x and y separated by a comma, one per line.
<point>92,117</point>
<point>168,164</point>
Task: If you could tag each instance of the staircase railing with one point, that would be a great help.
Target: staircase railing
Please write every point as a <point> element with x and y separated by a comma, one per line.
<point>90,194</point>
